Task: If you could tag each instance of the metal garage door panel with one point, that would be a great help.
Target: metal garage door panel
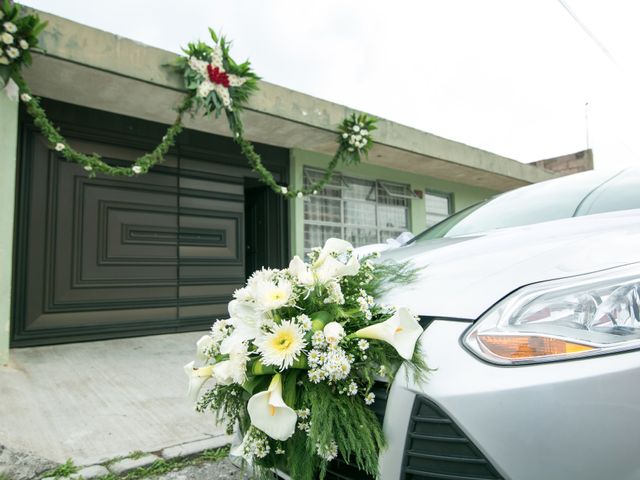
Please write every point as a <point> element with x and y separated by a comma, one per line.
<point>94,259</point>
<point>212,245</point>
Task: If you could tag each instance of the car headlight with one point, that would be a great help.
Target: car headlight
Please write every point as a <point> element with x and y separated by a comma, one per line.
<point>560,319</point>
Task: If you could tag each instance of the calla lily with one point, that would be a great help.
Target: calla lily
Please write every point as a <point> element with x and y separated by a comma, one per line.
<point>300,271</point>
<point>402,331</point>
<point>332,268</point>
<point>197,378</point>
<point>269,413</point>
<point>333,247</point>
<point>202,347</point>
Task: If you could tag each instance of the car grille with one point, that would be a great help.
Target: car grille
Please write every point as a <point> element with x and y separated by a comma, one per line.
<point>339,469</point>
<point>436,448</point>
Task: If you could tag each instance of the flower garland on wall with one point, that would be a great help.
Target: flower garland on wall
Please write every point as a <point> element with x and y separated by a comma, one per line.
<point>215,84</point>
<point>295,363</point>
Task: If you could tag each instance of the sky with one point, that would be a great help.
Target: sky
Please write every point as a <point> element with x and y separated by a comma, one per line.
<point>520,78</point>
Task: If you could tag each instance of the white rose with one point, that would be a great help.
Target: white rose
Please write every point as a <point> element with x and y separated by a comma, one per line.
<point>59,147</point>
<point>136,169</point>
<point>300,195</point>
<point>345,135</point>
<point>13,52</point>
<point>24,45</point>
<point>364,133</point>
<point>356,128</point>
<point>88,168</point>
<point>1,15</point>
<point>7,38</point>
<point>333,332</point>
<point>284,190</point>
<point>10,27</point>
<point>25,97</point>
<point>358,138</point>
<point>4,61</point>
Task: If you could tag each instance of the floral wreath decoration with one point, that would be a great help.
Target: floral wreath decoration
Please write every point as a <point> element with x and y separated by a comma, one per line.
<point>294,365</point>
<point>215,84</point>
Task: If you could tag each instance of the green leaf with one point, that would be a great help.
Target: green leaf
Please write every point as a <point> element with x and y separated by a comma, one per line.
<point>289,389</point>
<point>214,37</point>
<point>253,382</point>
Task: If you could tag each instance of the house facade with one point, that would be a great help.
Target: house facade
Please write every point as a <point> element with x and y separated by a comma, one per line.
<point>96,258</point>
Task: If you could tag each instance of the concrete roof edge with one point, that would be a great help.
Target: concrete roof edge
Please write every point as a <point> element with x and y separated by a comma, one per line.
<point>85,45</point>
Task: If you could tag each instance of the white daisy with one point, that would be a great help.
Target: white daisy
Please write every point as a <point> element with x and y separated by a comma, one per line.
<point>283,345</point>
<point>369,398</point>
<point>272,295</point>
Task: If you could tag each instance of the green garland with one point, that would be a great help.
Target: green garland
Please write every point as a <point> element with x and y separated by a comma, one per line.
<point>215,84</point>
<point>94,163</point>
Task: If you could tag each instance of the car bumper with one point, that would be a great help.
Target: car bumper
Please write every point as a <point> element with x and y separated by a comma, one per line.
<point>562,420</point>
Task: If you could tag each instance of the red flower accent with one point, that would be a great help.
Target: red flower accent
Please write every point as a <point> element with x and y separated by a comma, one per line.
<point>218,76</point>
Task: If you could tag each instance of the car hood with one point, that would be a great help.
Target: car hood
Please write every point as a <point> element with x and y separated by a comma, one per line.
<point>462,277</point>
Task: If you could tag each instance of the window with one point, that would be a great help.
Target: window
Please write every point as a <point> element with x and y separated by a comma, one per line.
<point>360,211</point>
<point>437,207</point>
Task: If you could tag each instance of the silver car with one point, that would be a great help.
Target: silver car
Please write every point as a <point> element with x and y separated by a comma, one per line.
<point>531,308</point>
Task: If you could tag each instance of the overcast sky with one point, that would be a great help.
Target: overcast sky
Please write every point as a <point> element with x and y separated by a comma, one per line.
<point>508,76</point>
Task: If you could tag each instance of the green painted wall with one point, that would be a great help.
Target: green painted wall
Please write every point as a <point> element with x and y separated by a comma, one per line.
<point>463,195</point>
<point>8,142</point>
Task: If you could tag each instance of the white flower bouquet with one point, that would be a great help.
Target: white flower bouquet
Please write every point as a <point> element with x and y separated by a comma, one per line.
<point>294,364</point>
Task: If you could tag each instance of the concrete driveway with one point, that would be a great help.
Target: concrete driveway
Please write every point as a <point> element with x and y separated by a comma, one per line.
<point>97,400</point>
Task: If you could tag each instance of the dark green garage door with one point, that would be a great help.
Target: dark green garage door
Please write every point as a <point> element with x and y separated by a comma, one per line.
<point>109,257</point>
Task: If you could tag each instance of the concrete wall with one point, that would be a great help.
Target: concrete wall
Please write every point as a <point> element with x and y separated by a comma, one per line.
<point>568,164</point>
<point>463,195</point>
<point>8,143</point>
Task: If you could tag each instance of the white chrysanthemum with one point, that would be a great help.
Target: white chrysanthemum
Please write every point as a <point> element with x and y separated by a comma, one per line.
<point>282,346</point>
<point>327,452</point>
<point>261,276</point>
<point>318,339</point>
<point>205,88</point>
<point>352,389</point>
<point>304,321</point>
<point>334,293</point>
<point>10,27</point>
<point>369,398</point>
<point>363,344</point>
<point>198,65</point>
<point>243,294</point>
<point>272,295</point>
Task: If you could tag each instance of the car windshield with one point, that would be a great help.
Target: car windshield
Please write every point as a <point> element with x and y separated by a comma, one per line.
<point>541,202</point>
